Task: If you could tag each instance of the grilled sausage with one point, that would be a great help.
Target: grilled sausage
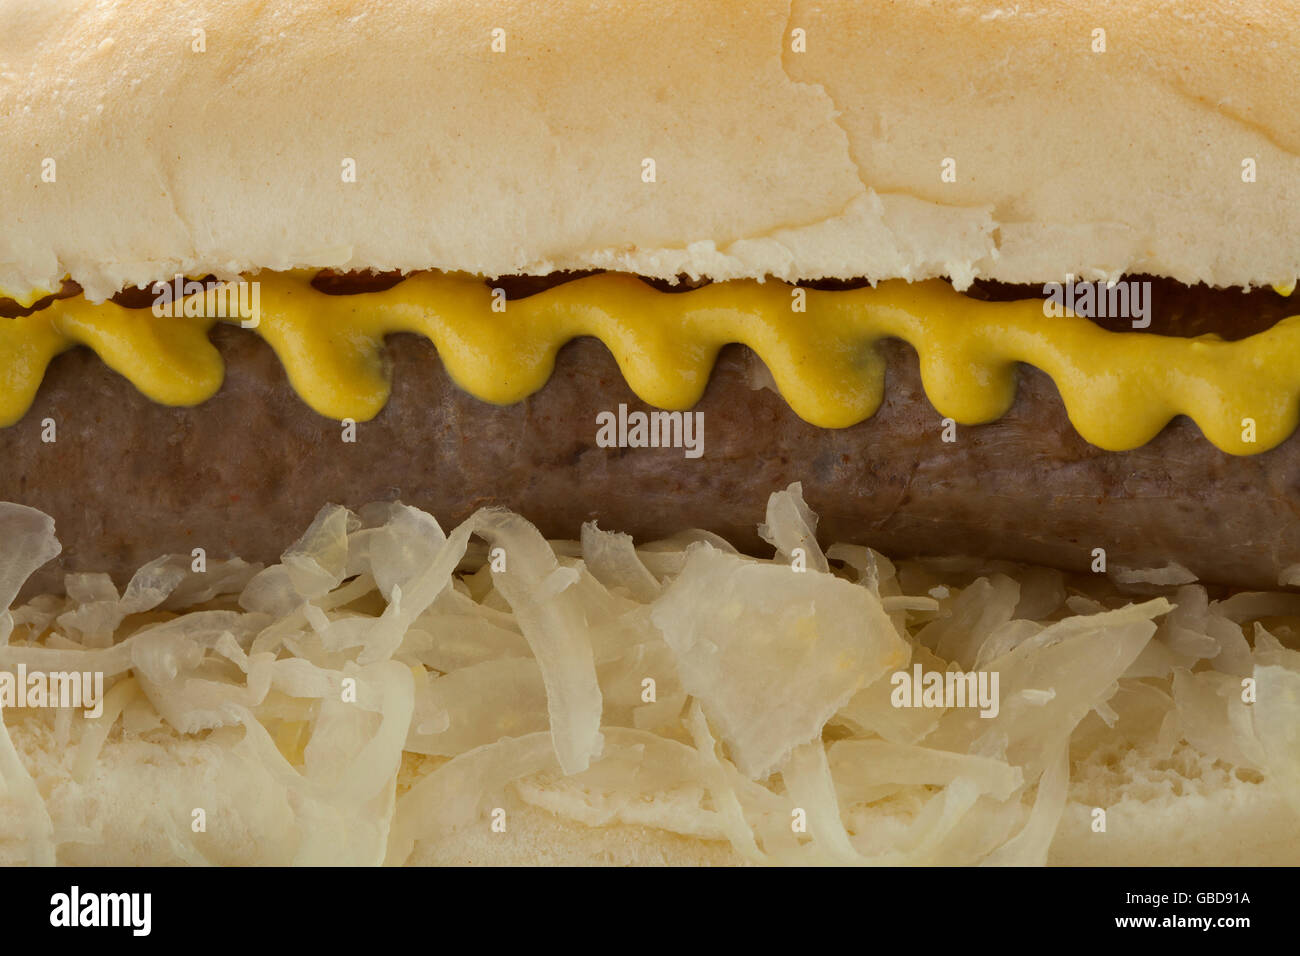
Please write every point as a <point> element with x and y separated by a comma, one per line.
<point>243,474</point>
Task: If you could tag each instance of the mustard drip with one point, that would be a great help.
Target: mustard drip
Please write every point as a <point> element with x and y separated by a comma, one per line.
<point>1119,389</point>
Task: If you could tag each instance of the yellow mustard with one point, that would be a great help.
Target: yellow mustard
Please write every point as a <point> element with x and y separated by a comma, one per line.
<point>1119,389</point>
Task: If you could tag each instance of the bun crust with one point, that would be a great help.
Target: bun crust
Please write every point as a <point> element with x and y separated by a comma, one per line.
<point>823,163</point>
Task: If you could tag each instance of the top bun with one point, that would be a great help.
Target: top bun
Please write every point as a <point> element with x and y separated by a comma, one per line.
<point>195,136</point>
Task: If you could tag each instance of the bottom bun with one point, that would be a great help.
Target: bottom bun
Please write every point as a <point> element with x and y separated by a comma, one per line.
<point>392,693</point>
<point>1191,812</point>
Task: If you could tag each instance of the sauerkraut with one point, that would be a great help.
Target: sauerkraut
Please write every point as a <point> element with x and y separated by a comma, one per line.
<point>389,685</point>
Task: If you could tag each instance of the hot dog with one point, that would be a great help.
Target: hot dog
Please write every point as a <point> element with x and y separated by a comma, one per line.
<point>466,431</point>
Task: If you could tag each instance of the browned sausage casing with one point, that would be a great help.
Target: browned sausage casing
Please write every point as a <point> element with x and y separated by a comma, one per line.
<point>244,473</point>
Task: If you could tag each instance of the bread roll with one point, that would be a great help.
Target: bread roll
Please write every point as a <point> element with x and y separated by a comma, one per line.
<point>767,161</point>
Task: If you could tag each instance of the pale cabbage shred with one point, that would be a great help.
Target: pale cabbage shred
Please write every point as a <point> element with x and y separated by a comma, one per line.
<point>771,686</point>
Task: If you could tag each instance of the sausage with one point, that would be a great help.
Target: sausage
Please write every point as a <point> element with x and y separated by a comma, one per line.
<point>244,473</point>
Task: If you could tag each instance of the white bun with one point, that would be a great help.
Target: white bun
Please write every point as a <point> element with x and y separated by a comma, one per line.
<point>1204,816</point>
<point>768,161</point>
<point>1186,812</point>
